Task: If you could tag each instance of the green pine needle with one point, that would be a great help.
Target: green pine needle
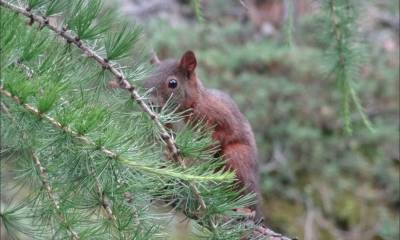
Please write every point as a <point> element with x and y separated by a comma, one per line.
<point>56,6</point>
<point>118,45</point>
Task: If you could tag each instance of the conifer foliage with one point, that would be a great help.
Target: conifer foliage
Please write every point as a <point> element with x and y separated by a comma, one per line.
<point>344,55</point>
<point>88,162</point>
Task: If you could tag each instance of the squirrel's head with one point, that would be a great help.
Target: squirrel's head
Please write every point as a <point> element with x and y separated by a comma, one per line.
<point>175,79</point>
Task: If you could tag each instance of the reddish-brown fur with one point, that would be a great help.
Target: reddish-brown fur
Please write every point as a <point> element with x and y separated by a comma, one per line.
<point>231,129</point>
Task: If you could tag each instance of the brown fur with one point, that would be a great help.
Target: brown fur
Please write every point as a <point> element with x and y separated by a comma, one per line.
<point>231,129</point>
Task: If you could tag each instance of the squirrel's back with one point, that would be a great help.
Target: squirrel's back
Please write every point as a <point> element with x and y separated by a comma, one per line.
<point>220,109</point>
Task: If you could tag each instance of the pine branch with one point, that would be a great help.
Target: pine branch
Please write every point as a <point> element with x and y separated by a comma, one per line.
<point>341,38</point>
<point>341,64</point>
<point>46,185</point>
<point>197,10</point>
<point>43,176</point>
<point>104,203</point>
<point>44,179</point>
<point>107,152</point>
<point>167,139</point>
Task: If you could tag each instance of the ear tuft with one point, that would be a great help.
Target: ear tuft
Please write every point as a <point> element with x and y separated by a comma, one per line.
<point>154,59</point>
<point>188,61</point>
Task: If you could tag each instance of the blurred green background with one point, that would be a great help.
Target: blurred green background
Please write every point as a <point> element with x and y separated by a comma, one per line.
<point>317,181</point>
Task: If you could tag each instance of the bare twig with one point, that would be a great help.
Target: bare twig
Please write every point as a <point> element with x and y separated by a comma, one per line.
<point>309,233</point>
<point>328,226</point>
<point>244,4</point>
<point>122,80</point>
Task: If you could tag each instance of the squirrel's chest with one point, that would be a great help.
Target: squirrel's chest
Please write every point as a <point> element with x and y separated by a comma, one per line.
<point>219,117</point>
<point>221,131</point>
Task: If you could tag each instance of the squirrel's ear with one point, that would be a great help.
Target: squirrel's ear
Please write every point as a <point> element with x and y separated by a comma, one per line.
<point>154,59</point>
<point>188,61</point>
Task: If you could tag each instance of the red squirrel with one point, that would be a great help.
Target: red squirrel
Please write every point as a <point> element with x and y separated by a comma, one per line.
<point>230,128</point>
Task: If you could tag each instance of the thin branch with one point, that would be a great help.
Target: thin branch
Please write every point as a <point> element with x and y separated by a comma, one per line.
<point>122,81</point>
<point>263,231</point>
<point>46,185</point>
<point>104,203</point>
<point>29,72</point>
<point>309,228</point>
<point>44,179</point>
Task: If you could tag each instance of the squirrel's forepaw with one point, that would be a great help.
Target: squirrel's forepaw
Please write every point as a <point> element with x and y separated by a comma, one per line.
<point>247,212</point>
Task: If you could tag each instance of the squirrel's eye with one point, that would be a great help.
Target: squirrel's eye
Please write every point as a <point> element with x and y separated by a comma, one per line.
<point>172,83</point>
